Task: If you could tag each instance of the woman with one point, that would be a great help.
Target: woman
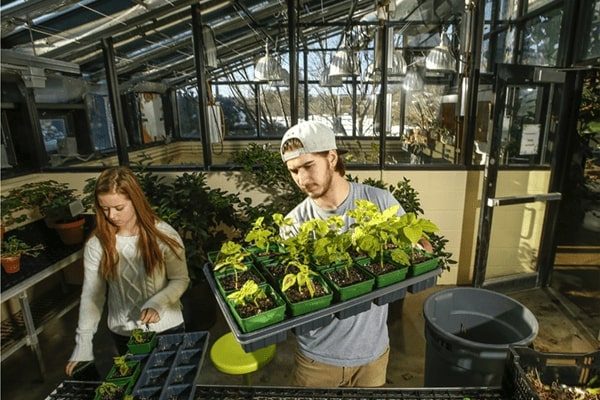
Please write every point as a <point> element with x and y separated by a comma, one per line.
<point>138,257</point>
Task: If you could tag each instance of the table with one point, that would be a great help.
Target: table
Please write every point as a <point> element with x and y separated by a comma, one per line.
<point>53,259</point>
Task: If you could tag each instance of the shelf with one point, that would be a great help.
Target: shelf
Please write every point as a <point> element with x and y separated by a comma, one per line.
<point>55,256</point>
<point>278,332</point>
<point>47,308</point>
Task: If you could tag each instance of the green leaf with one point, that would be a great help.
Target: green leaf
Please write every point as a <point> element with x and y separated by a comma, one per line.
<point>288,281</point>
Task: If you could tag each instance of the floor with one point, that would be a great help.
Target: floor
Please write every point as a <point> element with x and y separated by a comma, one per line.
<point>568,314</point>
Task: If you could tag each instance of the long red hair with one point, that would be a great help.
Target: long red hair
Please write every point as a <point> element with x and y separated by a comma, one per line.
<point>123,181</point>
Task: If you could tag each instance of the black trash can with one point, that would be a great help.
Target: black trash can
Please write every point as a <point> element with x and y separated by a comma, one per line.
<point>468,332</point>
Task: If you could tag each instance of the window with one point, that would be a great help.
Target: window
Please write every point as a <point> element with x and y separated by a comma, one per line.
<point>590,32</point>
<point>540,39</point>
<point>54,131</point>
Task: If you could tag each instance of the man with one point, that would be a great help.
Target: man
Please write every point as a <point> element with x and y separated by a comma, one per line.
<point>353,351</point>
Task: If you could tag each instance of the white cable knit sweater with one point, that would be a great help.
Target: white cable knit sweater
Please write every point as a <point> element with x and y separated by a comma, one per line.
<point>131,292</point>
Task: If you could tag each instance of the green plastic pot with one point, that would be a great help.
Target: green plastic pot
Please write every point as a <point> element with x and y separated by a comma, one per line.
<point>143,348</point>
<point>132,378</point>
<point>127,388</point>
<point>425,266</point>
<point>388,278</point>
<point>350,291</point>
<point>310,305</point>
<point>265,318</point>
<point>251,268</point>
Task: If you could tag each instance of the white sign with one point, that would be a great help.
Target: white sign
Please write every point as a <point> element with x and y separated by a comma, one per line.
<point>530,139</point>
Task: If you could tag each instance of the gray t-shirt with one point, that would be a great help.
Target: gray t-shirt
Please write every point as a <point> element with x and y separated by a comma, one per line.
<point>361,338</point>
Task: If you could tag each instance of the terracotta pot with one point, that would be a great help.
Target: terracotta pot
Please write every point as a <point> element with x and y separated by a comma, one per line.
<point>11,264</point>
<point>70,232</point>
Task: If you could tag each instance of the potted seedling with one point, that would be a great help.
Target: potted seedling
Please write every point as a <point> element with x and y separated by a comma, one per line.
<point>256,306</point>
<point>413,229</point>
<point>12,250</point>
<point>141,341</point>
<point>234,267</point>
<point>263,239</point>
<point>332,243</point>
<point>325,243</point>
<point>113,391</point>
<point>376,234</point>
<point>291,247</point>
<point>294,248</point>
<point>305,290</point>
<point>124,370</point>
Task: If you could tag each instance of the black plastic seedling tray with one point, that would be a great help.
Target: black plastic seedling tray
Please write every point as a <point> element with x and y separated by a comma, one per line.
<point>75,390</point>
<point>172,369</point>
<point>294,393</point>
<point>276,333</point>
<point>169,372</point>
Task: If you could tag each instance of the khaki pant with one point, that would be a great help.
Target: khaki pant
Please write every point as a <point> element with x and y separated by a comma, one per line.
<point>311,373</point>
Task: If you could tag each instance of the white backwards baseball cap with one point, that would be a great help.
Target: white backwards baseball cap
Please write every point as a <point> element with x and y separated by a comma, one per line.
<point>315,137</point>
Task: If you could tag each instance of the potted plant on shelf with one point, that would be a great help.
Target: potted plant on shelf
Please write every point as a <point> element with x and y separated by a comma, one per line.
<point>60,206</point>
<point>11,208</point>
<point>12,250</point>
<point>256,306</point>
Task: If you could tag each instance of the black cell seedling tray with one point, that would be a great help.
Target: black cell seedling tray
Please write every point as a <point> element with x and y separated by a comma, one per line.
<point>294,393</point>
<point>171,370</point>
<point>278,332</point>
<point>75,390</point>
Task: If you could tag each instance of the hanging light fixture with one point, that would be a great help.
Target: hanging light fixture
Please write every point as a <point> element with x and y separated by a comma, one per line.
<point>284,78</point>
<point>210,49</point>
<point>413,81</point>
<point>371,73</point>
<point>328,80</point>
<point>440,59</point>
<point>267,68</point>
<point>399,66</point>
<point>342,63</point>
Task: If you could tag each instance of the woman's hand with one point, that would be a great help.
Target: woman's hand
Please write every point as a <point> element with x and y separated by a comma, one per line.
<point>149,316</point>
<point>71,367</point>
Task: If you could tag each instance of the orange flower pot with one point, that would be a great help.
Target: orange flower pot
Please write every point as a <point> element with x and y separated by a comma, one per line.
<point>70,232</point>
<point>11,264</point>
